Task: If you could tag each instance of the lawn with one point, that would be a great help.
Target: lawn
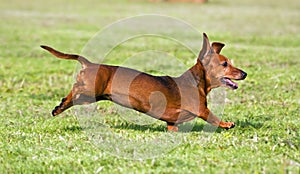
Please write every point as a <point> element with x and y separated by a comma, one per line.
<point>261,37</point>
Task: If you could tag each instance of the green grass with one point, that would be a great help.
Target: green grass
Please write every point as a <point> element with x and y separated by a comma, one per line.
<point>261,37</point>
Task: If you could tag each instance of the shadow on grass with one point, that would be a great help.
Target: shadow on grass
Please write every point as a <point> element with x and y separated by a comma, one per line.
<point>73,128</point>
<point>198,127</point>
<point>162,128</point>
<point>206,128</point>
<point>142,128</point>
<point>248,124</point>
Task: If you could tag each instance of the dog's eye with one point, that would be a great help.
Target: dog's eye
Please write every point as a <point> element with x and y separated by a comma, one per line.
<point>224,64</point>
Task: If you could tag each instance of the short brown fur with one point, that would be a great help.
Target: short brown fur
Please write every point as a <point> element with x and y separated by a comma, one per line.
<point>172,99</point>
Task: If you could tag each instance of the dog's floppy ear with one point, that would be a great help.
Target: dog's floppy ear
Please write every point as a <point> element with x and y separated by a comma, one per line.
<point>217,46</point>
<point>205,47</point>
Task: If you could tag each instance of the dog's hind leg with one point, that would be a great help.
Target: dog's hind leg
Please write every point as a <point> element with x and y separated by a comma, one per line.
<point>78,96</point>
<point>66,103</point>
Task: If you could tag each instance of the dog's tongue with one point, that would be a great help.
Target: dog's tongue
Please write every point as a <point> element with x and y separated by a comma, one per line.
<point>232,84</point>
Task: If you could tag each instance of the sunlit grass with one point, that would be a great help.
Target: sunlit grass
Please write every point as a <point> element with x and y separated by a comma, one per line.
<point>262,37</point>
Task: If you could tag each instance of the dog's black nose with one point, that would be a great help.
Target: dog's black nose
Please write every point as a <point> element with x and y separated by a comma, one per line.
<point>244,75</point>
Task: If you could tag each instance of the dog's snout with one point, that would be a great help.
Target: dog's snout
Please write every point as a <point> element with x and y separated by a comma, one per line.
<point>244,75</point>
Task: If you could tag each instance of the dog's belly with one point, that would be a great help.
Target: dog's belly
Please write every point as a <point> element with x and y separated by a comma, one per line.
<point>177,116</point>
<point>156,105</point>
<point>156,109</point>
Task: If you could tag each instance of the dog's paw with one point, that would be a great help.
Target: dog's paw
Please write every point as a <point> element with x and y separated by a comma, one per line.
<point>230,125</point>
<point>227,125</point>
<point>55,111</point>
<point>172,128</point>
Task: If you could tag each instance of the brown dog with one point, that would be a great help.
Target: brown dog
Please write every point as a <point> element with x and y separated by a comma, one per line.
<point>172,99</point>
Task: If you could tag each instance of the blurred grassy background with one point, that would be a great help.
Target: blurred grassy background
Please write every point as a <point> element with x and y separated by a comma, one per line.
<point>262,37</point>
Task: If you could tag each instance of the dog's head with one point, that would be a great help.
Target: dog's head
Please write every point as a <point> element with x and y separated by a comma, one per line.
<point>219,69</point>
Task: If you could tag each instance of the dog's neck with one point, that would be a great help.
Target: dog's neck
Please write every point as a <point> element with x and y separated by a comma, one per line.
<point>199,77</point>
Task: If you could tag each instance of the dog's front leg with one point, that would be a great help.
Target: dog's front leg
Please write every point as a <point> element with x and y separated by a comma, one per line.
<point>214,120</point>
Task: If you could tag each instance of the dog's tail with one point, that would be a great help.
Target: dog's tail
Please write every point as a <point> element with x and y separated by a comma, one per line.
<point>84,62</point>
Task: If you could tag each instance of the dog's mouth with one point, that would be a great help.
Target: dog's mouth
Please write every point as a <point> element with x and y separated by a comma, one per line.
<point>229,83</point>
